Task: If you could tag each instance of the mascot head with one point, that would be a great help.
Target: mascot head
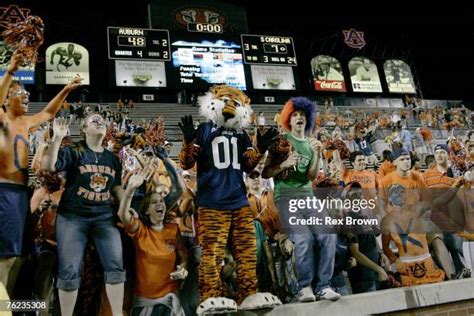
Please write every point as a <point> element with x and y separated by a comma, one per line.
<point>299,104</point>
<point>226,107</point>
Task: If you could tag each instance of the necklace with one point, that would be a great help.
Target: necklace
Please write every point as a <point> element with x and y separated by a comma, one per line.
<point>97,158</point>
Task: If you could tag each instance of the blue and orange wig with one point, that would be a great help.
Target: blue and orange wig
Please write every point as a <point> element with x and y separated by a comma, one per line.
<point>299,104</point>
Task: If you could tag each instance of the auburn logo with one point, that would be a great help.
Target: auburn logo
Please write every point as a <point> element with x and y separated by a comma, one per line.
<point>12,14</point>
<point>354,38</point>
<point>186,15</point>
<point>418,270</point>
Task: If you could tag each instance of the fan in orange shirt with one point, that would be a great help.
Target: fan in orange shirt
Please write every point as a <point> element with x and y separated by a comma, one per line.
<point>366,178</point>
<point>160,254</point>
<point>387,165</point>
<point>405,227</point>
<point>417,192</point>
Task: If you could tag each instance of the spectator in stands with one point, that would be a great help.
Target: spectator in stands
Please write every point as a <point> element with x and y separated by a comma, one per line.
<point>406,138</point>
<point>155,240</point>
<point>387,165</point>
<point>93,175</point>
<point>363,247</point>
<point>363,140</point>
<point>259,201</point>
<point>438,180</point>
<point>277,118</point>
<point>428,139</point>
<point>430,161</point>
<point>419,142</point>
<point>44,204</point>
<point>367,179</point>
<point>293,177</point>
<point>168,146</point>
<point>120,105</point>
<point>405,179</point>
<point>261,119</point>
<point>14,134</point>
<point>398,226</point>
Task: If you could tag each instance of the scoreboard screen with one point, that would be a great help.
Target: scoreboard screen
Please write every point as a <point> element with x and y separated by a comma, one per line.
<point>268,50</point>
<point>138,43</point>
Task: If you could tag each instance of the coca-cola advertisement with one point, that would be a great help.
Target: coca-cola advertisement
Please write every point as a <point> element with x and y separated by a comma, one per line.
<point>399,77</point>
<point>327,74</point>
<point>364,75</point>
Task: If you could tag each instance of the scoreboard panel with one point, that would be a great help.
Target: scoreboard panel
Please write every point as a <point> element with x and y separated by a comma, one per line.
<point>268,50</point>
<point>138,43</point>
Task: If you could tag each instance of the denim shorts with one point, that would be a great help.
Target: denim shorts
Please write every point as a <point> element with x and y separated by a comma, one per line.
<point>72,233</point>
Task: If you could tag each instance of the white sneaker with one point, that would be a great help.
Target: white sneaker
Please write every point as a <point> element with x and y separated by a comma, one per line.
<point>328,294</point>
<point>306,295</point>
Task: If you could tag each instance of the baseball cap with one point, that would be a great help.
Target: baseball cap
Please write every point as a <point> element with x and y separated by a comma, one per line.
<point>400,152</point>
<point>441,146</point>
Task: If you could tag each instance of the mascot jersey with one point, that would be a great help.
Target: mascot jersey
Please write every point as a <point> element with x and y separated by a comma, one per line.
<point>89,179</point>
<point>220,182</point>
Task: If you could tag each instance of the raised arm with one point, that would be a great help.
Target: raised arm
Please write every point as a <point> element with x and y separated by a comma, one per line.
<point>177,182</point>
<point>134,182</point>
<point>8,77</point>
<point>54,105</point>
<point>189,152</point>
<point>60,129</point>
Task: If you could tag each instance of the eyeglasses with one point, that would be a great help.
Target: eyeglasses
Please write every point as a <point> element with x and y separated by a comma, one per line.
<point>21,92</point>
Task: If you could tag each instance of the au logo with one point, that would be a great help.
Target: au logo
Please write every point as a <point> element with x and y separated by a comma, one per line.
<point>186,15</point>
<point>354,38</point>
<point>418,270</point>
<point>12,14</point>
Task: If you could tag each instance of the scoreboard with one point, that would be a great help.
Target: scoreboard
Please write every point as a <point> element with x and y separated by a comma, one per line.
<point>138,44</point>
<point>268,50</point>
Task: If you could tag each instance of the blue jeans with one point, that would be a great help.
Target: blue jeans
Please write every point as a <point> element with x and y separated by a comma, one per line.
<point>72,232</point>
<point>454,244</point>
<point>306,239</point>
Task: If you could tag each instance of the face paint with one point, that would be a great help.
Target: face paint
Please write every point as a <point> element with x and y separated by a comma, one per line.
<point>97,121</point>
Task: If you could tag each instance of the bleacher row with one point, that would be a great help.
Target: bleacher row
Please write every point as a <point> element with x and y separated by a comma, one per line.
<point>172,113</point>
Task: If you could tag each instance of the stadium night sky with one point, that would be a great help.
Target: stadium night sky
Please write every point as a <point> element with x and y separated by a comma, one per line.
<point>439,40</point>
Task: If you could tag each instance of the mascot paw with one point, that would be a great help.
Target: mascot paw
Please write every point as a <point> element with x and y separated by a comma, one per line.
<point>216,305</point>
<point>260,300</point>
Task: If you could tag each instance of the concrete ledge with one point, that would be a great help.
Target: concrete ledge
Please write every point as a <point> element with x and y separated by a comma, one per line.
<point>385,301</point>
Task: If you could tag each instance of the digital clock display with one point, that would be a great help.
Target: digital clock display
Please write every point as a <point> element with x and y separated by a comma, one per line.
<point>268,50</point>
<point>205,27</point>
<point>138,44</point>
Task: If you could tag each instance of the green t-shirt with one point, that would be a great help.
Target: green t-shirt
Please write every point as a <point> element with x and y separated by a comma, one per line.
<point>297,182</point>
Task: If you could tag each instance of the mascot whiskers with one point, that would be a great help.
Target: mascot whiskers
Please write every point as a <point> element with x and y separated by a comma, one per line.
<point>223,151</point>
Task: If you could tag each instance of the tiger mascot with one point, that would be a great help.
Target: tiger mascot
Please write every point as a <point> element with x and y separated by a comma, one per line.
<point>222,151</point>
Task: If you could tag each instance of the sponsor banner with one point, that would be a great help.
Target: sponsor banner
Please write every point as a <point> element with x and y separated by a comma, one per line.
<point>327,74</point>
<point>364,75</point>
<point>273,77</point>
<point>66,60</point>
<point>330,85</point>
<point>25,75</point>
<point>399,77</point>
<point>130,73</point>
